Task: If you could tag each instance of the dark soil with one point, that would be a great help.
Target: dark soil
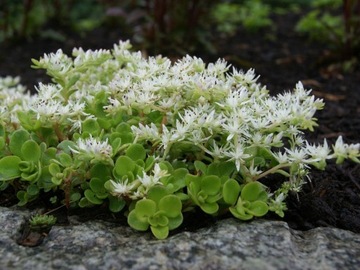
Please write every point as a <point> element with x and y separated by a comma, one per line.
<point>282,58</point>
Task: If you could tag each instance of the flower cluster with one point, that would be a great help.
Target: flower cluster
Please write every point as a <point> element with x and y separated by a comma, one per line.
<point>117,127</point>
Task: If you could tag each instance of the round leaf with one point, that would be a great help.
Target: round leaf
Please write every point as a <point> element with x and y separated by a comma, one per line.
<point>123,128</point>
<point>231,191</point>
<point>258,208</point>
<point>159,219</point>
<point>209,208</point>
<point>241,216</point>
<point>23,197</point>
<point>211,184</point>
<point>32,190</point>
<point>149,163</point>
<point>54,169</point>
<point>97,185</point>
<point>252,191</point>
<point>91,126</point>
<point>136,151</point>
<point>66,145</point>
<point>171,205</point>
<point>65,159</point>
<point>156,193</point>
<point>175,222</point>
<point>91,196</point>
<point>9,168</point>
<point>123,165</point>
<point>145,208</point>
<point>17,139</point>
<point>31,151</point>
<point>160,232</point>
<point>84,202</point>
<point>136,223</point>
<point>100,170</point>
<point>116,204</point>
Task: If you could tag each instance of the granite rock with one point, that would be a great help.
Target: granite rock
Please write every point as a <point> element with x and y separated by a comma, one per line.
<point>228,244</point>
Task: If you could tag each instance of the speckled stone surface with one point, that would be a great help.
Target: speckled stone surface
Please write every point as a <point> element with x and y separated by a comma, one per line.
<point>229,244</point>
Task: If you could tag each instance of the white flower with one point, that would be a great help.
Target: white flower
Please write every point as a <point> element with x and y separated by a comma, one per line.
<point>146,132</point>
<point>93,148</point>
<point>49,109</point>
<point>340,149</point>
<point>159,173</point>
<point>233,126</point>
<point>121,189</point>
<point>168,137</point>
<point>282,158</point>
<point>236,153</point>
<point>56,62</point>
<point>297,155</point>
<point>318,153</point>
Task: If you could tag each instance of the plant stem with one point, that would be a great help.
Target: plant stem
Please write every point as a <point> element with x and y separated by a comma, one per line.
<point>271,170</point>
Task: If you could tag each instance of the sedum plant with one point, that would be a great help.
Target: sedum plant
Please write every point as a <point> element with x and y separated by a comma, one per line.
<point>155,139</point>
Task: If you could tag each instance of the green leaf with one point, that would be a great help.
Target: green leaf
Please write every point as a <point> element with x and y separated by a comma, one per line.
<point>48,154</point>
<point>66,145</point>
<point>116,204</point>
<point>84,202</point>
<point>65,159</point>
<point>209,208</point>
<point>44,181</point>
<point>54,169</point>
<point>159,219</point>
<point>2,131</point>
<point>136,223</point>
<point>22,197</point>
<point>166,165</point>
<point>91,126</point>
<point>96,184</point>
<point>27,121</point>
<point>30,171</point>
<point>200,166</point>
<point>3,185</point>
<point>31,151</point>
<point>253,191</point>
<point>171,205</point>
<point>72,80</point>
<point>9,168</point>
<point>226,168</point>
<point>258,208</point>
<point>177,179</point>
<point>17,139</point>
<point>56,181</point>
<point>2,143</point>
<point>91,196</point>
<point>145,208</point>
<point>123,165</point>
<point>160,232</point>
<point>136,151</point>
<point>221,169</point>
<point>116,145</point>
<point>33,190</point>
<point>210,184</point>
<point>149,163</point>
<point>74,197</point>
<point>156,193</point>
<point>231,191</point>
<point>100,170</point>
<point>175,221</point>
<point>123,128</point>
<point>241,216</point>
